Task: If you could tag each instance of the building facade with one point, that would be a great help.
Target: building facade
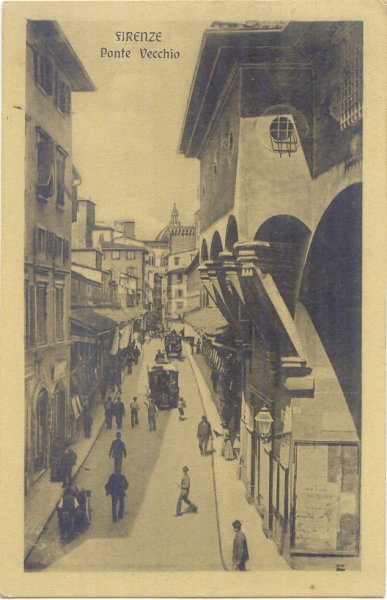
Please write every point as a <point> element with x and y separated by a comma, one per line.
<point>277,130</point>
<point>53,73</point>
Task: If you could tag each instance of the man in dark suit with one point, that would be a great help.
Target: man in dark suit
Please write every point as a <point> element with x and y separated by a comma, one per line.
<point>115,487</point>
<point>240,552</point>
<point>117,450</point>
<point>119,412</point>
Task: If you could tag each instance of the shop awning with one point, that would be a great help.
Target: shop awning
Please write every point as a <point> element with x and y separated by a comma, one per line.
<point>89,319</point>
<point>208,321</point>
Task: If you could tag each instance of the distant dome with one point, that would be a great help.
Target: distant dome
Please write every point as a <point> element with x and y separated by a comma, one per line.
<point>165,234</point>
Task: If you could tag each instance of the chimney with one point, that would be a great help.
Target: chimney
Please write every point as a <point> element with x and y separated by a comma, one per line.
<point>129,229</point>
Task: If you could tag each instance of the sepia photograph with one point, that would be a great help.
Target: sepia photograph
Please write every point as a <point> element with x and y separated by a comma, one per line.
<point>193,305</point>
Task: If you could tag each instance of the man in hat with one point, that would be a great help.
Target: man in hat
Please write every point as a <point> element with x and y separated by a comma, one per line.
<point>184,492</point>
<point>117,450</point>
<point>240,553</point>
<point>134,408</point>
<point>67,508</point>
<point>204,434</point>
<point>115,487</point>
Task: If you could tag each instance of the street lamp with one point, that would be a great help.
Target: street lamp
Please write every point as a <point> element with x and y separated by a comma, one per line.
<point>264,422</point>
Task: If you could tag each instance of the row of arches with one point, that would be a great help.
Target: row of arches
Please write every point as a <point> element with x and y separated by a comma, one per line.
<point>280,229</point>
<point>325,274</point>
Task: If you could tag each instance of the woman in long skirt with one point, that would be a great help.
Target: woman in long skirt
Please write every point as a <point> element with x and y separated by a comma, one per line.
<point>228,451</point>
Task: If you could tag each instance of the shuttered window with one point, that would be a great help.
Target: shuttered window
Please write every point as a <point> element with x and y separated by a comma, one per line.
<point>62,95</point>
<point>59,313</point>
<point>40,240</point>
<point>41,312</point>
<point>50,244</point>
<point>45,178</point>
<point>60,177</point>
<point>58,247</point>
<point>66,250</point>
<point>44,72</point>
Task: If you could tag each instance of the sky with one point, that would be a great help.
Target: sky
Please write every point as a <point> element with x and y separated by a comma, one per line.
<point>126,134</point>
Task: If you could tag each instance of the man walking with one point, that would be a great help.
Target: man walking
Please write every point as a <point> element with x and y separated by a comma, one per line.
<point>117,450</point>
<point>134,408</point>
<point>152,414</point>
<point>87,422</point>
<point>115,487</point>
<point>240,552</point>
<point>119,412</point>
<point>109,412</point>
<point>204,434</point>
<point>69,458</point>
<point>184,492</point>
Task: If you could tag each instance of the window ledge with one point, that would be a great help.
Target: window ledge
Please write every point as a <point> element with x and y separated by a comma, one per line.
<point>60,207</point>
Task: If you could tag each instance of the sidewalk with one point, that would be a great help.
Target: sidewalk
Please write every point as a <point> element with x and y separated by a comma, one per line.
<point>230,496</point>
<point>40,502</point>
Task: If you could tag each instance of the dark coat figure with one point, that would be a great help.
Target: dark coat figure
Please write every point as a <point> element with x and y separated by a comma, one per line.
<point>136,354</point>
<point>240,552</point>
<point>119,412</point>
<point>198,347</point>
<point>109,413</point>
<point>117,451</point>
<point>184,492</point>
<point>129,363</point>
<point>115,487</point>
<point>214,380</point>
<point>69,459</point>
<point>67,509</point>
<point>204,434</point>
<point>87,422</point>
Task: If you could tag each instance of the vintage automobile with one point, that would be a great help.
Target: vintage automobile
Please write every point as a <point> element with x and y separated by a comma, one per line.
<point>163,384</point>
<point>172,343</point>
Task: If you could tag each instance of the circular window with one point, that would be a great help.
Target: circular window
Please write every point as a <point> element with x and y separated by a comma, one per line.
<point>281,129</point>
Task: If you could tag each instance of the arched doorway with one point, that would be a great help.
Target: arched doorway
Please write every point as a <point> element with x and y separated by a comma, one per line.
<point>331,290</point>
<point>231,233</point>
<point>41,431</point>
<point>204,252</point>
<point>289,238</point>
<point>60,411</point>
<point>216,246</point>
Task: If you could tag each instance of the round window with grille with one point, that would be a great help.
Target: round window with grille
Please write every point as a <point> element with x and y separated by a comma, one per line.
<point>281,129</point>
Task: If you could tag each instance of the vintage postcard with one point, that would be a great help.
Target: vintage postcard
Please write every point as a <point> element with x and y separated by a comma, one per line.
<point>193,317</point>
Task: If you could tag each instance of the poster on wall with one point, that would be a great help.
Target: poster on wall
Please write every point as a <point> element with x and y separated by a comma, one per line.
<point>326,499</point>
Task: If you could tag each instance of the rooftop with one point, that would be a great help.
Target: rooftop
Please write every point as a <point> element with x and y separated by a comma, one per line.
<point>52,34</point>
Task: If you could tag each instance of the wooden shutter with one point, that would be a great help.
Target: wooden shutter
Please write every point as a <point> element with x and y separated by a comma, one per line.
<point>59,313</point>
<point>66,250</point>
<point>36,58</point>
<point>46,159</point>
<point>60,178</point>
<point>41,312</point>
<point>48,76</point>
<point>50,244</point>
<point>58,247</point>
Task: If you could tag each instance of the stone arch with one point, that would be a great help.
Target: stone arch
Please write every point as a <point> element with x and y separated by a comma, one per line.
<point>216,246</point>
<point>331,290</point>
<point>204,252</point>
<point>231,233</point>
<point>289,238</point>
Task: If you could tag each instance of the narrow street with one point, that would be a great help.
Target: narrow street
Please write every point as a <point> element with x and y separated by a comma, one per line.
<point>149,537</point>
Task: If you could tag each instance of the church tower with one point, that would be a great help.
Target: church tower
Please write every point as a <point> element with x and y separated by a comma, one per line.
<point>175,216</point>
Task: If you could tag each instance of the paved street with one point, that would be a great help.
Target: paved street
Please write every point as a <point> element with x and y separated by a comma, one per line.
<point>150,536</point>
